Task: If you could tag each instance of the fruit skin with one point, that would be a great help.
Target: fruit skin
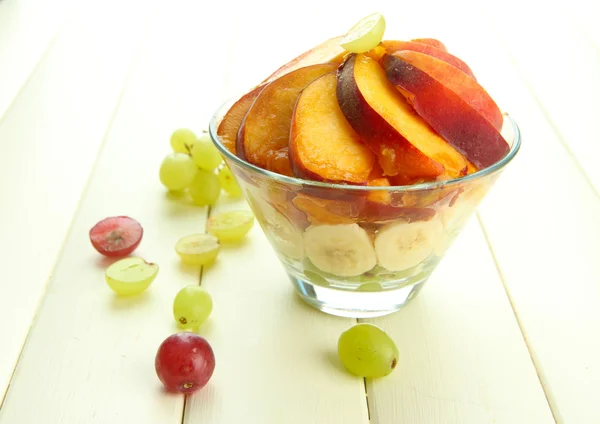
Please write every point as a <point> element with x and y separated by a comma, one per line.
<point>228,182</point>
<point>182,140</point>
<point>367,351</point>
<point>393,46</point>
<point>116,236</point>
<point>230,227</point>
<point>329,51</point>
<point>264,134</point>
<point>191,307</point>
<point>460,124</point>
<point>231,122</point>
<point>184,362</point>
<point>177,171</point>
<point>205,188</point>
<point>204,154</point>
<point>457,81</point>
<point>205,254</point>
<point>318,117</point>
<point>130,276</point>
<point>431,42</point>
<point>404,143</point>
<point>344,250</point>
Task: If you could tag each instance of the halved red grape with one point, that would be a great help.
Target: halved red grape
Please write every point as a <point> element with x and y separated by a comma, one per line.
<point>184,362</point>
<point>116,236</point>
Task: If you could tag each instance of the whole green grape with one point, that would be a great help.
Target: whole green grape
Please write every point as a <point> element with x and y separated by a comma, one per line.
<point>205,188</point>
<point>182,140</point>
<point>205,154</point>
<point>367,351</point>
<point>177,171</point>
<point>191,307</point>
<point>228,182</point>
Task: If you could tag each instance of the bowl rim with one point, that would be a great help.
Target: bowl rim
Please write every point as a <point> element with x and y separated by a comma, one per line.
<point>496,167</point>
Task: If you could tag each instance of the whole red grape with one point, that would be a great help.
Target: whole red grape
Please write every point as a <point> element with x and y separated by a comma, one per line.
<point>184,362</point>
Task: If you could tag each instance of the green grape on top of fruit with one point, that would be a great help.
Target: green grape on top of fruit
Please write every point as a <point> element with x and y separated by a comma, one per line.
<point>204,188</point>
<point>182,140</point>
<point>365,35</point>
<point>130,276</point>
<point>191,307</point>
<point>177,171</point>
<point>198,249</point>
<point>205,154</point>
<point>230,226</point>
<point>228,182</point>
<point>367,351</point>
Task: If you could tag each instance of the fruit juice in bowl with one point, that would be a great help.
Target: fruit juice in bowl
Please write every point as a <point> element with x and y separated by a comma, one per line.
<point>362,159</point>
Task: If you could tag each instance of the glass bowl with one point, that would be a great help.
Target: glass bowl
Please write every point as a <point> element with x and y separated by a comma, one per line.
<point>360,251</point>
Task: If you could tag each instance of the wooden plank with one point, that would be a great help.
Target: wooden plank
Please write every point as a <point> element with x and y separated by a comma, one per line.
<point>49,140</point>
<point>462,356</point>
<point>27,28</point>
<point>542,221</point>
<point>561,66</point>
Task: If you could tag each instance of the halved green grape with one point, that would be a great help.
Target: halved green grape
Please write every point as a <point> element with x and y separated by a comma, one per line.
<point>231,226</point>
<point>182,140</point>
<point>198,249</point>
<point>205,188</point>
<point>365,35</point>
<point>191,307</point>
<point>177,171</point>
<point>228,182</point>
<point>205,154</point>
<point>130,276</point>
<point>367,351</point>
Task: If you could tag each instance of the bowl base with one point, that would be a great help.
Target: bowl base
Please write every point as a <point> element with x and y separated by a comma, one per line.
<point>356,303</point>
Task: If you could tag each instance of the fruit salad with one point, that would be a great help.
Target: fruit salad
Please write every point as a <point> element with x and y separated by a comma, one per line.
<point>376,152</point>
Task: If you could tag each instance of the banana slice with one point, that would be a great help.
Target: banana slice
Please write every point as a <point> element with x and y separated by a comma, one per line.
<point>344,250</point>
<point>281,232</point>
<point>402,245</point>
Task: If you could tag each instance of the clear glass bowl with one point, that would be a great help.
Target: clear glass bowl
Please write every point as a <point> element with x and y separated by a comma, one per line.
<point>360,251</point>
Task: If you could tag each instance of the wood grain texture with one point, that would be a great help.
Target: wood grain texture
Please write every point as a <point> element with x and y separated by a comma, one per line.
<point>27,28</point>
<point>49,140</point>
<point>462,356</point>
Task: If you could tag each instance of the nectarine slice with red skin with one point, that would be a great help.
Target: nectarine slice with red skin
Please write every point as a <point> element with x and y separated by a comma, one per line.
<point>406,146</point>
<point>230,125</point>
<point>431,42</point>
<point>453,118</point>
<point>393,46</point>
<point>323,146</point>
<point>263,137</point>
<point>467,88</point>
<point>329,51</point>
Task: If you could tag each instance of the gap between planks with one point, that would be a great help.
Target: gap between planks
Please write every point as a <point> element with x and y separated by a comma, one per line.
<point>545,388</point>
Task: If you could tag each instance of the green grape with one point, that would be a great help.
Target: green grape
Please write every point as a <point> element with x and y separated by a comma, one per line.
<point>367,351</point>
<point>205,154</point>
<point>231,226</point>
<point>191,307</point>
<point>177,171</point>
<point>182,140</point>
<point>130,275</point>
<point>365,35</point>
<point>197,249</point>
<point>228,182</point>
<point>205,188</point>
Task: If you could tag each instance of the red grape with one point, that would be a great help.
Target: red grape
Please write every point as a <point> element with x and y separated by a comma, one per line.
<point>116,236</point>
<point>184,362</point>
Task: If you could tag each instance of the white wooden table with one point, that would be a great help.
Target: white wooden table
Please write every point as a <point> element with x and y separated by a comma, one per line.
<point>506,331</point>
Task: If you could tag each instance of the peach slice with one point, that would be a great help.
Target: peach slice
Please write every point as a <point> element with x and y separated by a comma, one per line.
<point>467,88</point>
<point>431,42</point>
<point>379,196</point>
<point>328,52</point>
<point>323,146</point>
<point>447,113</point>
<point>393,46</point>
<point>326,211</point>
<point>406,146</point>
<point>230,125</point>
<point>264,134</point>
